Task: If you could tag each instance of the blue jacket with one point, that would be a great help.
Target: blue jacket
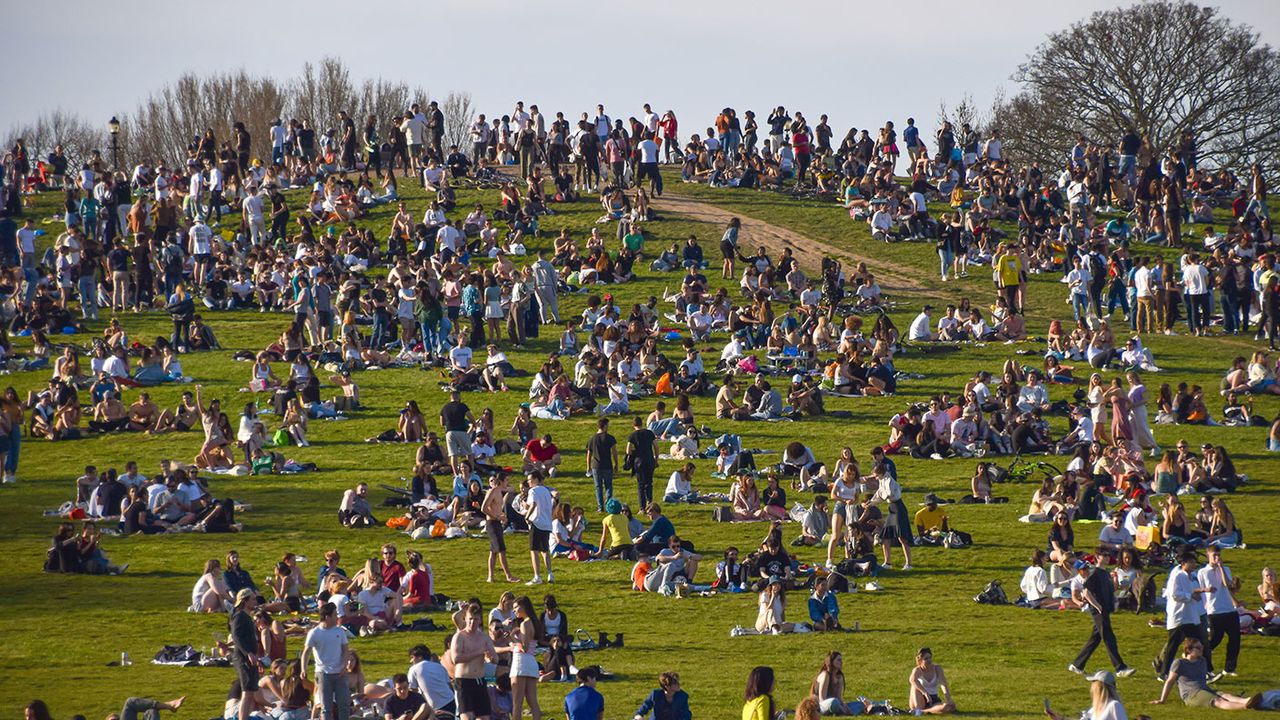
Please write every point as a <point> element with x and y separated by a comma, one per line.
<point>826,606</point>
<point>675,709</point>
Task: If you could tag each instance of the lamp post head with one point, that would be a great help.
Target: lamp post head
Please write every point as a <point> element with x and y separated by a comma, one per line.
<point>113,125</point>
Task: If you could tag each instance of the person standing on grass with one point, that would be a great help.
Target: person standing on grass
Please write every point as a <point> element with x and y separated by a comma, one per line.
<point>538,511</point>
<point>328,645</point>
<point>1093,590</point>
<point>643,451</point>
<point>470,649</point>
<point>455,418</point>
<point>495,521</point>
<point>602,458</point>
<point>1220,606</point>
<point>244,649</point>
<point>1184,602</point>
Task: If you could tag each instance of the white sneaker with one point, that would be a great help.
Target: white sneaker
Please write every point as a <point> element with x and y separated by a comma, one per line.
<point>9,479</point>
<point>535,581</point>
<point>907,566</point>
<point>873,586</point>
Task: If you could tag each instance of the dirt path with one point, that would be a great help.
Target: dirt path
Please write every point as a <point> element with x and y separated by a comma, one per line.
<point>894,277</point>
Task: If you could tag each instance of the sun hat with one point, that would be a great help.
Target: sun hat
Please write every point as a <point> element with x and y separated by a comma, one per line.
<point>1106,677</point>
<point>243,596</point>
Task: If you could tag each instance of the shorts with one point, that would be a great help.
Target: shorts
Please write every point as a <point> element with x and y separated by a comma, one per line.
<point>727,250</point>
<point>246,670</point>
<point>324,318</point>
<point>458,443</point>
<point>472,697</point>
<point>1202,697</point>
<point>539,540</point>
<point>497,540</point>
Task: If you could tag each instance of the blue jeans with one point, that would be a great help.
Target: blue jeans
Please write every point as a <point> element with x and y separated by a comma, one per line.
<point>666,426</point>
<point>603,480</point>
<point>1117,295</point>
<point>88,298</point>
<point>1197,311</point>
<point>946,258</point>
<point>1230,313</point>
<point>15,444</point>
<point>1079,305</point>
<point>335,695</point>
<point>378,332</point>
<point>1128,169</point>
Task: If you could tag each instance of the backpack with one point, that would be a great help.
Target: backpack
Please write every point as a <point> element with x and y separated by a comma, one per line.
<point>992,594</point>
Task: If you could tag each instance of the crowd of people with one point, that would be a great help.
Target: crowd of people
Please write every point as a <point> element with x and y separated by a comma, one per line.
<point>217,231</point>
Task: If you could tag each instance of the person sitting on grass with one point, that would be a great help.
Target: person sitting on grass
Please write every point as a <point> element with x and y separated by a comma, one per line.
<point>824,610</point>
<point>930,691</point>
<point>816,523</point>
<point>210,594</point>
<point>1191,673</point>
<point>828,687</point>
<point>1105,699</point>
<point>772,604</point>
<point>667,701</point>
<point>355,511</point>
<point>615,533</point>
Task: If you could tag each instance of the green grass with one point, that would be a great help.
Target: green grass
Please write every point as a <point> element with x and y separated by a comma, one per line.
<point>61,631</point>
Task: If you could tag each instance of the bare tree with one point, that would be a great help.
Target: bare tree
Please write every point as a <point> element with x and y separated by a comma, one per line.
<point>167,122</point>
<point>1163,68</point>
<point>964,112</point>
<point>78,137</point>
<point>458,114</point>
<point>321,91</point>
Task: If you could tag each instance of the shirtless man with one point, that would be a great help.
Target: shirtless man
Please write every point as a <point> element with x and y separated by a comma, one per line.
<point>109,415</point>
<point>182,419</point>
<point>143,413</point>
<point>495,519</point>
<point>468,652</point>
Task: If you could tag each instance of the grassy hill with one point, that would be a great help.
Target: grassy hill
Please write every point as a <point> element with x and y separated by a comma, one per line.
<point>61,631</point>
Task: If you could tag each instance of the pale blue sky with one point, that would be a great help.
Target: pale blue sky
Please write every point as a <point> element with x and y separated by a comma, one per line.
<point>819,57</point>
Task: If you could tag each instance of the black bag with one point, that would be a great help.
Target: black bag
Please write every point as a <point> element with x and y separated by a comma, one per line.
<point>992,594</point>
<point>722,513</point>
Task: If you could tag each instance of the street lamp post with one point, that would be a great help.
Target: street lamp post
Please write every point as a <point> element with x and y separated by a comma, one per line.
<point>113,126</point>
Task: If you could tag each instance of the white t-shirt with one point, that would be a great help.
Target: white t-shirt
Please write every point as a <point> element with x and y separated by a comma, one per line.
<point>461,356</point>
<point>541,501</point>
<point>328,648</point>
<point>432,680</point>
<point>917,200</point>
<point>27,240</point>
<point>1195,278</point>
<point>648,151</point>
<point>278,134</point>
<point>374,600</point>
<point>678,484</point>
<point>919,329</point>
<point>1142,281</point>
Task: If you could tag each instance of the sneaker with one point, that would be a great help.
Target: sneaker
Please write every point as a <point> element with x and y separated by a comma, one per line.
<point>1125,672</point>
<point>873,586</point>
<point>886,566</point>
<point>1072,668</point>
<point>935,456</point>
<point>907,566</point>
<point>535,581</point>
<point>551,578</point>
<point>1215,677</point>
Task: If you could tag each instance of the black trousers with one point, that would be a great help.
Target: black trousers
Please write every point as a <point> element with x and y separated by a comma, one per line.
<point>1102,633</point>
<point>1174,644</point>
<point>644,486</point>
<point>1227,623</point>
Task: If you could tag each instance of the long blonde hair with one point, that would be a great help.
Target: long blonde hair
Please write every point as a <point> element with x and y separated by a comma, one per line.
<point>1102,694</point>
